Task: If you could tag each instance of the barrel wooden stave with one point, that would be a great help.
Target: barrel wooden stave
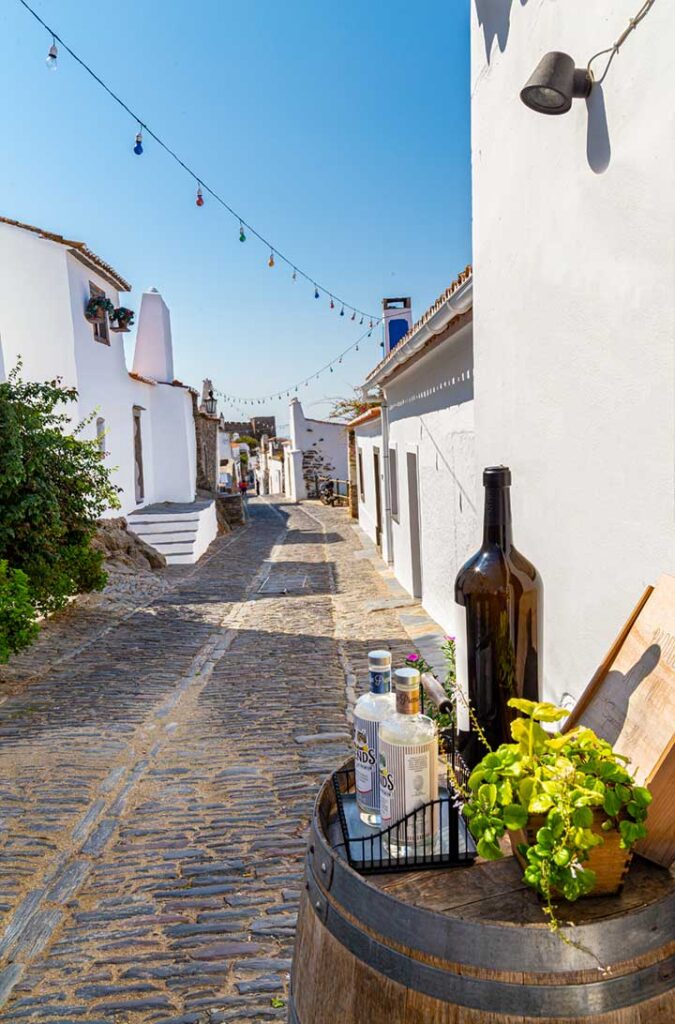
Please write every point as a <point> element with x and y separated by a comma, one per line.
<point>372,951</point>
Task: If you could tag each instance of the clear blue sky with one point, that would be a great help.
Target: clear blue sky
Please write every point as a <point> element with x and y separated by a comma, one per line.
<point>340,131</point>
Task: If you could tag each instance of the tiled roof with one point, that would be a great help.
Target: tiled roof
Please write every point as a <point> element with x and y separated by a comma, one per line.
<point>370,414</point>
<point>79,250</point>
<point>457,283</point>
<point>143,380</point>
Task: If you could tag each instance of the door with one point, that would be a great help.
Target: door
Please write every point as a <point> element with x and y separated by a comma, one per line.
<point>138,456</point>
<point>378,498</point>
<point>414,520</point>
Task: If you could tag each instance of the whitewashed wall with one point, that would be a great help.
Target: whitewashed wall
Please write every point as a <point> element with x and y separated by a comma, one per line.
<point>43,293</point>
<point>431,413</point>
<point>574,307</point>
<point>329,439</point>
<point>368,437</point>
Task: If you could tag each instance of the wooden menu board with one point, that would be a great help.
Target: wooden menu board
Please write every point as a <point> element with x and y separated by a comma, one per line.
<point>630,702</point>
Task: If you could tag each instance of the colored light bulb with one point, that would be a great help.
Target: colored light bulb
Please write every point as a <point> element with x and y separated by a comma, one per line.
<point>332,304</point>
<point>353,316</point>
<point>342,311</point>
<point>270,262</point>
<point>200,198</point>
<point>294,275</point>
<point>316,292</point>
<point>242,236</point>
<point>52,57</point>
<point>138,148</point>
<point>361,320</point>
<point>331,369</point>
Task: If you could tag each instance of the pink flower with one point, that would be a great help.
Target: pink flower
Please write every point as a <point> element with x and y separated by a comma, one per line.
<point>413,657</point>
<point>449,639</point>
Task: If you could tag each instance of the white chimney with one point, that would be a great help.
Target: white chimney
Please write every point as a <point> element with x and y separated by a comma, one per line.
<point>153,354</point>
<point>397,321</point>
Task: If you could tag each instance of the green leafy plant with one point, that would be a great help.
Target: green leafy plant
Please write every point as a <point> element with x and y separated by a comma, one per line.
<point>53,488</point>
<point>563,780</point>
<point>18,628</point>
<point>96,305</point>
<point>122,315</point>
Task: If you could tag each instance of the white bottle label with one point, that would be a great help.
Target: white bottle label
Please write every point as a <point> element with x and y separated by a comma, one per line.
<point>408,779</point>
<point>365,763</point>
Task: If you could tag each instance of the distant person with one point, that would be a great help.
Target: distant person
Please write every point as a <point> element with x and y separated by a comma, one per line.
<point>243,487</point>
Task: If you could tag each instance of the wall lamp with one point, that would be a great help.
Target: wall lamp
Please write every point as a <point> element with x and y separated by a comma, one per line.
<point>555,83</point>
<point>210,404</point>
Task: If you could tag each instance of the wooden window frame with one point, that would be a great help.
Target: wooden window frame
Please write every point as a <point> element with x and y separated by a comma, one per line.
<point>100,327</point>
<point>359,461</point>
<point>393,485</point>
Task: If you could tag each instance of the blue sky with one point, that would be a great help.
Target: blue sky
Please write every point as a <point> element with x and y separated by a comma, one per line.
<point>341,132</point>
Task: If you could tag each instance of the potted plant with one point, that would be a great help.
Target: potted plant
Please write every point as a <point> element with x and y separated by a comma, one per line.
<point>571,808</point>
<point>121,319</point>
<point>97,307</point>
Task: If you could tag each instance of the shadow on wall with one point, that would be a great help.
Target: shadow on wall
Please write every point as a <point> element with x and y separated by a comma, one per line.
<point>598,147</point>
<point>619,688</point>
<point>494,17</point>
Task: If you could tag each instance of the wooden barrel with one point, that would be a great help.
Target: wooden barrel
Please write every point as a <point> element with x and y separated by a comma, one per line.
<point>470,946</point>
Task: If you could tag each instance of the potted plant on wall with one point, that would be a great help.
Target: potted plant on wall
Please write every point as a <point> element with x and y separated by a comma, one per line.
<point>97,307</point>
<point>572,810</point>
<point>121,319</point>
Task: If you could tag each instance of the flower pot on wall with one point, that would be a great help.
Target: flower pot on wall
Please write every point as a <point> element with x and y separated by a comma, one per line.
<point>94,316</point>
<point>119,328</point>
<point>609,861</point>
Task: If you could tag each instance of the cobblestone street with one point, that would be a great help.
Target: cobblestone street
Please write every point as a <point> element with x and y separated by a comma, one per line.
<point>160,758</point>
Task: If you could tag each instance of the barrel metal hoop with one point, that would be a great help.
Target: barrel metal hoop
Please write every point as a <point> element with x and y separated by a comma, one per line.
<point>322,858</point>
<point>485,945</point>
<point>537,1001</point>
<point>292,1015</point>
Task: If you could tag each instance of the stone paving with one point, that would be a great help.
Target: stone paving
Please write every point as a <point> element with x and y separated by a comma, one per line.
<point>159,757</point>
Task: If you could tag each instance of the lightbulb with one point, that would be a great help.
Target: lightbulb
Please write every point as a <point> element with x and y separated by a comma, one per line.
<point>52,56</point>
<point>332,304</point>
<point>361,320</point>
<point>242,236</point>
<point>342,311</point>
<point>138,148</point>
<point>316,292</point>
<point>294,275</point>
<point>200,198</point>
<point>353,316</point>
<point>270,262</point>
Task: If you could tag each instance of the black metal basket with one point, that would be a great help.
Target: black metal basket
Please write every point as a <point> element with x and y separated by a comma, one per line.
<point>397,847</point>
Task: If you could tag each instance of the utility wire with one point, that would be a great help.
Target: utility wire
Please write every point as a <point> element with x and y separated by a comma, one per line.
<point>193,174</point>
<point>615,47</point>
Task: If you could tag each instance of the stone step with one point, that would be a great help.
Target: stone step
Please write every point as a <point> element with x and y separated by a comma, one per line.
<point>165,525</point>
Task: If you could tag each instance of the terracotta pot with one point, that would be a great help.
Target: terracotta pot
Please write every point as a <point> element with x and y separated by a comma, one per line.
<point>94,317</point>
<point>609,861</point>
<point>119,328</point>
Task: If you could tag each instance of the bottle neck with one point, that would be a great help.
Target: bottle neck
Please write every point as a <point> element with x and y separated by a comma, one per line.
<point>497,518</point>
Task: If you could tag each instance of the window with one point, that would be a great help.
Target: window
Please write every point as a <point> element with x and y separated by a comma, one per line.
<point>361,488</point>
<point>393,483</point>
<point>100,326</point>
<point>100,435</point>
<point>139,484</point>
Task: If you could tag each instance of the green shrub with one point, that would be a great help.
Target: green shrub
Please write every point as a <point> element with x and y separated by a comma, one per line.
<point>53,487</point>
<point>18,628</point>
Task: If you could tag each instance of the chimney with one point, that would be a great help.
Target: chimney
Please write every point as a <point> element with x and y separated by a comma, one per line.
<point>397,321</point>
<point>153,354</point>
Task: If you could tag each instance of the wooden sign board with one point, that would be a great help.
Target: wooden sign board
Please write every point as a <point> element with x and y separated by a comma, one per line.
<point>630,702</point>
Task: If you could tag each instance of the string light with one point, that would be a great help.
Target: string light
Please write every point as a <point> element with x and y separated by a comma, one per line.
<point>294,275</point>
<point>52,56</point>
<point>52,59</point>
<point>138,148</point>
<point>316,292</point>
<point>353,316</point>
<point>242,234</point>
<point>270,262</point>
<point>200,196</point>
<point>332,304</point>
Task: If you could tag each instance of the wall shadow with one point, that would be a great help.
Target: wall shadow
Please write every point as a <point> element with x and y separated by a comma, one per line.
<point>598,146</point>
<point>619,687</point>
<point>494,17</point>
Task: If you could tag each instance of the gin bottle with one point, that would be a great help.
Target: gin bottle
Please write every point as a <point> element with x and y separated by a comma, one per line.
<point>369,711</point>
<point>408,770</point>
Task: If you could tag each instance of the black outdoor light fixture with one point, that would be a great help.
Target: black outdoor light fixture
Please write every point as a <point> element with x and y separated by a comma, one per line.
<point>210,404</point>
<point>555,83</point>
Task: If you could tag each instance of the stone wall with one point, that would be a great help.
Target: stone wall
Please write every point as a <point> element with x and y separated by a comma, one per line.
<point>208,455</point>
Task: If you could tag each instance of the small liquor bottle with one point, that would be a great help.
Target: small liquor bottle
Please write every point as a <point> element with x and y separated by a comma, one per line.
<point>369,711</point>
<point>408,770</point>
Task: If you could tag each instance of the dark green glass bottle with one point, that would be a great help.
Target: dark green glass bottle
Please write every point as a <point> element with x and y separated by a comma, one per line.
<point>502,594</point>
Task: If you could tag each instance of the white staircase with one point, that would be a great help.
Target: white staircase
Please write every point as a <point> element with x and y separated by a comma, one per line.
<point>181,532</point>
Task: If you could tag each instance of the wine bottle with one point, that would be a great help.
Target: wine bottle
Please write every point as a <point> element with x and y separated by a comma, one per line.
<point>502,594</point>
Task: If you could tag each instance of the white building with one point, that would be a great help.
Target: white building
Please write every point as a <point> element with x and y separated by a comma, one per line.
<point>415,458</point>
<point>574,257</point>
<point>144,418</point>
<point>317,448</point>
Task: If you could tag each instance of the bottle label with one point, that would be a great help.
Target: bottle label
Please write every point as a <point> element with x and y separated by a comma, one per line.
<point>380,680</point>
<point>366,735</point>
<point>408,701</point>
<point>408,779</point>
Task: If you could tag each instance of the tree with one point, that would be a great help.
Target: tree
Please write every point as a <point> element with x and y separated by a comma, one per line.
<point>350,408</point>
<point>53,488</point>
<point>247,439</point>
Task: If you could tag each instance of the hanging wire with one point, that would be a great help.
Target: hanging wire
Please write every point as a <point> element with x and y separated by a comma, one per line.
<point>278,392</point>
<point>174,156</point>
<point>614,49</point>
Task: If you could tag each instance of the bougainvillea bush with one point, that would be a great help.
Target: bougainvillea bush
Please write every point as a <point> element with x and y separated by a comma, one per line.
<point>53,487</point>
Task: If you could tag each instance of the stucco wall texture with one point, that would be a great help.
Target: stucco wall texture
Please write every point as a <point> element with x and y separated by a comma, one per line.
<point>574,312</point>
